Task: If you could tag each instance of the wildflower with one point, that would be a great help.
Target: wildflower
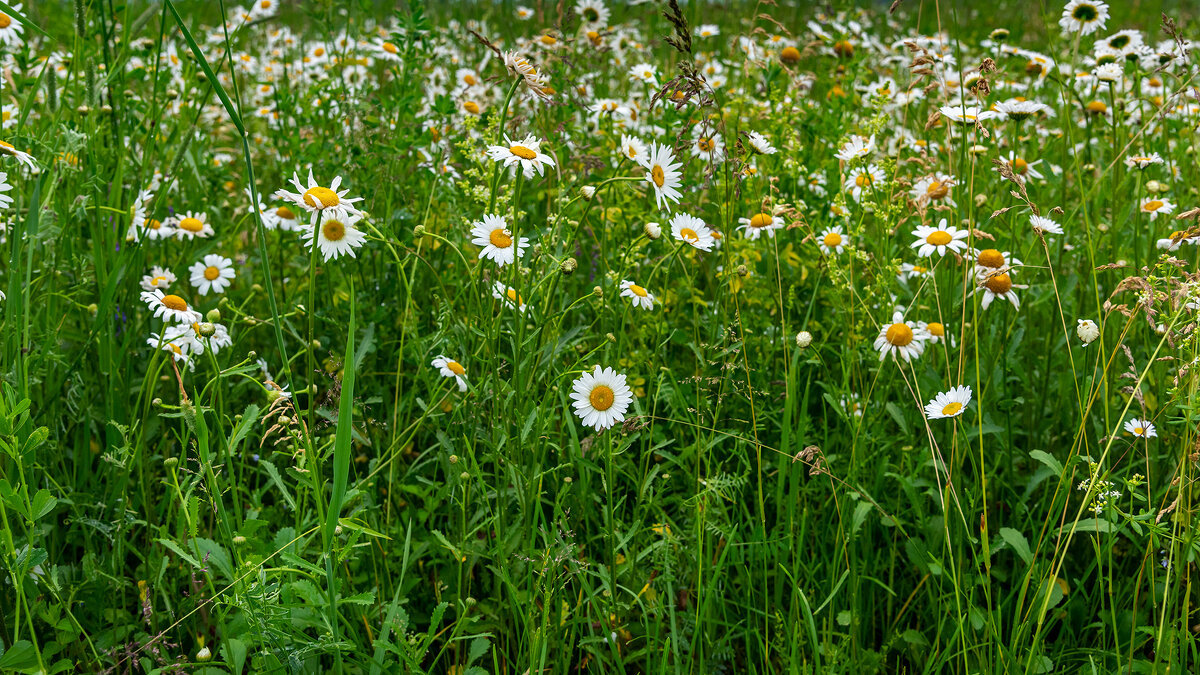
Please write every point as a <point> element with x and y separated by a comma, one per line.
<point>638,295</point>
<point>707,146</point>
<point>5,200</point>
<point>909,270</point>
<point>1109,72</point>
<point>592,13</point>
<point>527,152</point>
<point>1141,428</point>
<point>11,30</point>
<point>935,188</point>
<point>756,225</point>
<point>493,235</point>
<point>862,179</point>
<point>645,73</point>
<point>534,81</point>
<point>901,338</point>
<point>652,230</point>
<point>180,344</point>
<point>1043,225</point>
<point>856,147</point>
<point>1020,109</point>
<point>967,115</point>
<point>1021,167</point>
<point>1143,161</point>
<point>633,148</point>
<point>1083,16</point>
<point>192,225</point>
<point>760,144</point>
<point>214,274</point>
<point>832,241</point>
<point>315,198</point>
<point>998,285</point>
<point>1178,238</point>
<point>1156,207</point>
<point>338,235</point>
<point>1087,330</point>
<point>663,174</point>
<point>524,13</point>
<point>159,277</point>
<point>7,148</point>
<point>708,30</point>
<point>692,230</point>
<point>949,403</point>
<point>508,295</point>
<point>601,398</point>
<point>804,339</point>
<point>451,368</point>
<point>170,308</point>
<point>940,238</point>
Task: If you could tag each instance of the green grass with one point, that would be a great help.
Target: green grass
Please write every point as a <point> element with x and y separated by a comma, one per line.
<point>763,508</point>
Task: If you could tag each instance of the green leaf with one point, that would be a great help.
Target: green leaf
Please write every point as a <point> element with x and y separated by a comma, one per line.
<point>479,647</point>
<point>1047,459</point>
<point>1017,542</point>
<point>175,548</point>
<point>897,415</point>
<point>19,657</point>
<point>7,9</point>
<point>367,598</point>
<point>1088,525</point>
<point>278,480</point>
<point>358,527</point>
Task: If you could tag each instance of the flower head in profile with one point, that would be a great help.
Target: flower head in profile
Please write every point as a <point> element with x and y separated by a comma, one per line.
<point>691,230</point>
<point>857,147</point>
<point>159,277</point>
<point>493,235</point>
<point>758,224</point>
<point>7,148</point>
<point>633,148</point>
<point>663,174</point>
<point>760,144</point>
<point>535,81</point>
<point>509,296</point>
<point>526,152</point>
<point>335,235</point>
<point>638,295</point>
<point>967,115</point>
<point>448,367</point>
<point>170,308</point>
<point>1155,207</point>
<point>997,285</point>
<point>950,403</point>
<point>1043,225</point>
<point>601,398</point>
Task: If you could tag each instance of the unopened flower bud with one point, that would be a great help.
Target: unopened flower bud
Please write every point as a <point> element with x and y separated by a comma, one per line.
<point>213,316</point>
<point>1088,331</point>
<point>588,192</point>
<point>171,462</point>
<point>568,266</point>
<point>204,654</point>
<point>207,329</point>
<point>742,271</point>
<point>803,339</point>
<point>598,292</point>
<point>653,230</point>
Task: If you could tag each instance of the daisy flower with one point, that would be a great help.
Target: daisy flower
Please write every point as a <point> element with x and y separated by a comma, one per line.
<point>451,368</point>
<point>214,274</point>
<point>708,30</point>
<point>833,241</point>
<point>1156,207</point>
<point>935,188</point>
<point>707,146</point>
<point>949,403</point>
<point>967,115</point>
<point>856,147</point>
<point>936,331</point>
<point>159,277</point>
<point>524,13</point>
<point>493,235</point>
<point>508,295</point>
<point>692,230</point>
<point>315,198</point>
<point>527,152</point>
<point>1143,428</point>
<point>1178,238</point>
<point>1020,109</point>
<point>178,341</point>
<point>644,72</point>
<point>282,218</point>
<point>601,398</point>
<point>192,226</point>
<point>638,295</point>
<point>170,308</point>
<point>1109,72</point>
<point>863,178</point>
<point>387,51</point>
<point>940,238</point>
<point>663,174</point>
<point>900,338</point>
<point>760,144</point>
<point>998,285</point>
<point>7,148</point>
<point>10,29</point>
<point>756,225</point>
<point>1143,161</point>
<point>521,67</point>
<point>633,148</point>
<point>991,260</point>
<point>1083,16</point>
<point>338,235</point>
<point>909,271</point>
<point>5,200</point>
<point>143,225</point>
<point>592,13</point>
<point>1043,225</point>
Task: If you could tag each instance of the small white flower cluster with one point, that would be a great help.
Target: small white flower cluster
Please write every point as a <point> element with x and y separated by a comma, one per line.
<point>1103,490</point>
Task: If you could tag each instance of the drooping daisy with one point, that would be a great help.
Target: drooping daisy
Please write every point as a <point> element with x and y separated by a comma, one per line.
<point>754,226</point>
<point>493,235</point>
<point>178,341</point>
<point>760,144</point>
<point>949,403</point>
<point>998,285</point>
<point>692,230</point>
<point>936,331</point>
<point>1143,161</point>
<point>1043,225</point>
<point>601,398</point>
<point>862,179</point>
<point>315,198</point>
<point>663,174</point>
<point>192,225</point>
<point>856,147</point>
<point>338,235</point>
<point>527,153</point>
<point>1083,16</point>
<point>967,115</point>
<point>508,295</point>
<point>1142,428</point>
<point>450,368</point>
<point>1021,167</point>
<point>159,277</point>
<point>1156,207</point>
<point>633,148</point>
<point>213,335</point>
<point>638,295</point>
<point>22,157</point>
<point>520,66</point>
<point>282,218</point>
<point>170,308</point>
<point>833,240</point>
<point>940,238</point>
<point>900,338</point>
<point>214,274</point>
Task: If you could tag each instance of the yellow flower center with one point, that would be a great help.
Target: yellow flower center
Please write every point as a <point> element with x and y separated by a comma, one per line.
<point>601,397</point>
<point>158,280</point>
<point>153,224</point>
<point>638,290</point>
<point>1020,166</point>
<point>456,367</point>
<point>1138,431</point>
<point>500,238</point>
<point>593,36</point>
<point>832,240</point>
<point>761,220</point>
<point>549,40</point>
<point>999,284</point>
<point>899,335</point>
<point>936,329</point>
<point>191,225</point>
<point>705,144</point>
<point>939,238</point>
<point>937,190</point>
<point>285,213</point>
<point>7,147</point>
<point>393,49</point>
<point>789,55</point>
<point>5,20</point>
<point>321,197</point>
<point>513,297</point>
<point>863,180</point>
<point>319,52</point>
<point>657,175</point>
<point>174,302</point>
<point>1153,205</point>
<point>1096,107</point>
<point>469,80</point>
<point>471,107</point>
<point>990,257</point>
<point>333,230</point>
<point>952,408</point>
<point>688,234</point>
<point>522,152</point>
<point>211,273</point>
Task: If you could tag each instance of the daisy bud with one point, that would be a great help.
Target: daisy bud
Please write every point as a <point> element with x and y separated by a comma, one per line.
<point>610,337</point>
<point>316,344</point>
<point>1088,331</point>
<point>172,94</point>
<point>239,540</point>
<point>156,402</point>
<point>568,479</point>
<point>977,149</point>
<point>804,339</point>
<point>980,200</point>
<point>252,355</point>
<point>256,288</point>
<point>419,230</point>
<point>83,110</point>
<point>464,476</point>
<point>653,230</point>
<point>454,459</point>
<point>106,109</point>
<point>568,266</point>
<point>171,462</point>
<point>92,309</point>
<point>742,271</point>
<point>598,292</point>
<point>337,530</point>
<point>588,192</point>
<point>204,654</point>
<point>213,316</point>
<point>1154,186</point>
<point>207,329</point>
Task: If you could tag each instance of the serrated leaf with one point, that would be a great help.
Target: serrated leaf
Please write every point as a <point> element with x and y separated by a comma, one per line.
<point>175,548</point>
<point>479,647</point>
<point>367,598</point>
<point>273,472</point>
